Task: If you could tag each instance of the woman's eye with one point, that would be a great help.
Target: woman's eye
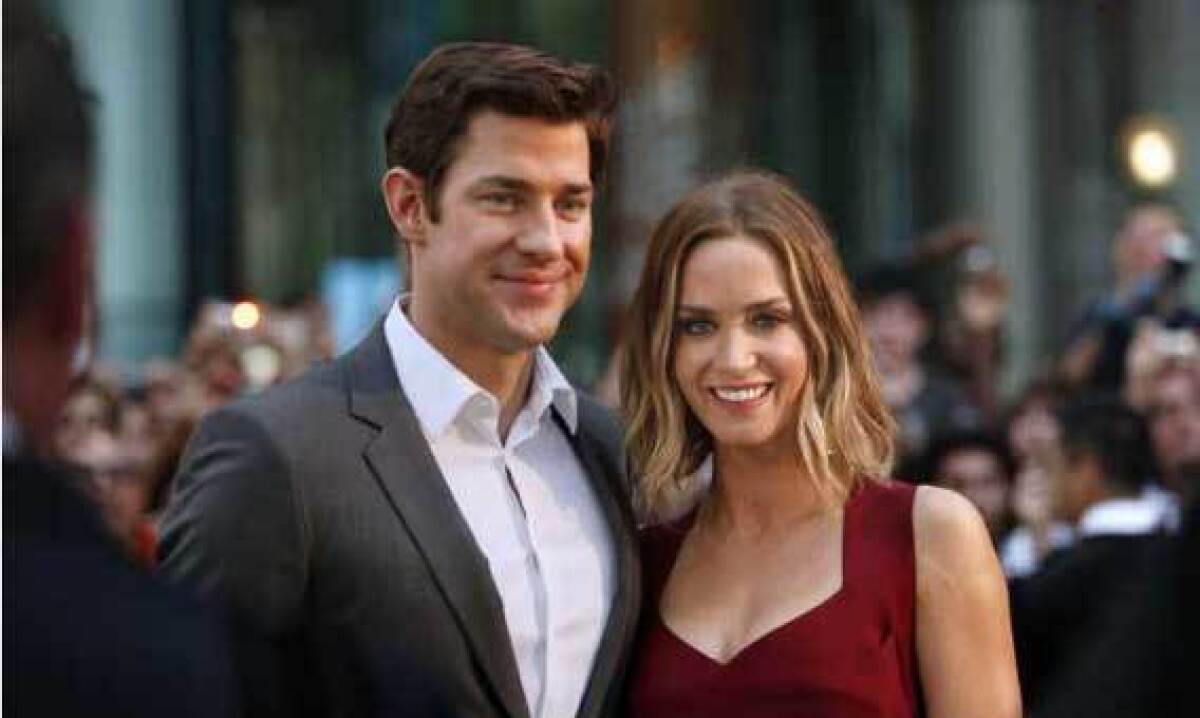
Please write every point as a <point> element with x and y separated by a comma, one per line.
<point>766,321</point>
<point>694,327</point>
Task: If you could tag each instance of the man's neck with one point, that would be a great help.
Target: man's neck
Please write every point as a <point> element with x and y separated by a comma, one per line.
<point>506,376</point>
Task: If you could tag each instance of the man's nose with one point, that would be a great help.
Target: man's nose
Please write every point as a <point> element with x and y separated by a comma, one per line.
<point>542,236</point>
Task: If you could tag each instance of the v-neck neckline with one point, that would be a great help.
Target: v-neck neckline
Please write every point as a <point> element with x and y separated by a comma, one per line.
<point>821,606</point>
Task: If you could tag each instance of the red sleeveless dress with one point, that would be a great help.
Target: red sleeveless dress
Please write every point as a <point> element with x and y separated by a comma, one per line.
<point>853,656</point>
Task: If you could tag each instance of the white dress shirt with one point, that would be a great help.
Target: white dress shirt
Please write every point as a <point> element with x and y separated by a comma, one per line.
<point>1135,516</point>
<point>530,507</point>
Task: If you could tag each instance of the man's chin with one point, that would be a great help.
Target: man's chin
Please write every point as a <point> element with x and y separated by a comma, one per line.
<point>515,337</point>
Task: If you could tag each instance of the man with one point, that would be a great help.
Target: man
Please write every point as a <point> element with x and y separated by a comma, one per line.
<point>84,632</point>
<point>1106,464</point>
<point>899,318</point>
<point>1173,408</point>
<point>436,523</point>
<point>1150,259</point>
<point>977,465</point>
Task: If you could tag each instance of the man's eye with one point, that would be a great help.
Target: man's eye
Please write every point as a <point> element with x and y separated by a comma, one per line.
<point>695,327</point>
<point>573,208</point>
<point>500,200</point>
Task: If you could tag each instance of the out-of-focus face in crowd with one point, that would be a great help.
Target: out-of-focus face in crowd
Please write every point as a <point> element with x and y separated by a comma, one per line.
<point>113,477</point>
<point>897,328</point>
<point>979,475</point>
<point>89,408</point>
<point>1033,430</point>
<point>1173,409</point>
<point>1138,249</point>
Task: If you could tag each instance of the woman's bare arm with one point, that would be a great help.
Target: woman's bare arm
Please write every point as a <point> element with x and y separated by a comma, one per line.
<point>964,635</point>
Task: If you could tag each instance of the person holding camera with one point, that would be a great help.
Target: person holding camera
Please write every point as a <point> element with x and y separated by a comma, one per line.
<point>1151,259</point>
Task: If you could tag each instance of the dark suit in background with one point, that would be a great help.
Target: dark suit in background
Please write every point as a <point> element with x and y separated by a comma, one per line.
<point>1141,662</point>
<point>1059,609</point>
<point>318,515</point>
<point>85,632</point>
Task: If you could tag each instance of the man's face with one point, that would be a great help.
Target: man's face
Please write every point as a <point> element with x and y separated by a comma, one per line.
<point>896,327</point>
<point>1139,246</point>
<point>510,251</point>
<point>1175,422</point>
<point>979,475</point>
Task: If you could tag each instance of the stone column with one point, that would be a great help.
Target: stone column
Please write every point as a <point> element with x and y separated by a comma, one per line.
<point>128,52</point>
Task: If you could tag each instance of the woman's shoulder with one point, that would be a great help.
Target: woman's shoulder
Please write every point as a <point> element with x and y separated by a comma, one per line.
<point>950,536</point>
<point>945,515</point>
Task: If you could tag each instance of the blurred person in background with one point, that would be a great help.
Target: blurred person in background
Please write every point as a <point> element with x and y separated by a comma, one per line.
<point>213,360</point>
<point>1164,383</point>
<point>85,632</point>
<point>1106,465</point>
<point>162,383</point>
<point>92,405</point>
<point>899,317</point>
<point>1140,659</point>
<point>1033,434</point>
<point>1150,260</point>
<point>116,480</point>
<point>970,338</point>
<point>977,465</point>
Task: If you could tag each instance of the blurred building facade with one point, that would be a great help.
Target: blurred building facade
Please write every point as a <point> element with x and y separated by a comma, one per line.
<point>241,139</point>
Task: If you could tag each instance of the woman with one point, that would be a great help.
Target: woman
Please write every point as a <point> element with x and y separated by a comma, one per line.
<point>803,584</point>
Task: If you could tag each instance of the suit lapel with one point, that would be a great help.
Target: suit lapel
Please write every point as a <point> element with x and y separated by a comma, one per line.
<point>622,617</point>
<point>404,465</point>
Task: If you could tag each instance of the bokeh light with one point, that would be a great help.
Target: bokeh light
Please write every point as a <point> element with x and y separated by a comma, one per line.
<point>245,315</point>
<point>1152,156</point>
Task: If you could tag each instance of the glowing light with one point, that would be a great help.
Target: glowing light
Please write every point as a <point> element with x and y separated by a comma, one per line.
<point>245,315</point>
<point>1152,156</point>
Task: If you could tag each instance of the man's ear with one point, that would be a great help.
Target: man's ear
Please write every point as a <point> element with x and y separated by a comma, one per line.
<point>404,196</point>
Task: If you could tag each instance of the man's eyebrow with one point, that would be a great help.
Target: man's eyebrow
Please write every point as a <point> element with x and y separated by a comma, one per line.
<point>503,181</point>
<point>518,184</point>
<point>577,188</point>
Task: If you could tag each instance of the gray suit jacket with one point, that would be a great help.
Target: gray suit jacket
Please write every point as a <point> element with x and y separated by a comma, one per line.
<point>317,516</point>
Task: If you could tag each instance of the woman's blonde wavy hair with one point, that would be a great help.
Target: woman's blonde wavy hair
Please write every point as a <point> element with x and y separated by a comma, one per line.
<point>845,432</point>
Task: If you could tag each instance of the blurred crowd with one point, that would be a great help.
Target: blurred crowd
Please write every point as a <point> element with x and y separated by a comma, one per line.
<point>124,428</point>
<point>1106,443</point>
<point>1085,479</point>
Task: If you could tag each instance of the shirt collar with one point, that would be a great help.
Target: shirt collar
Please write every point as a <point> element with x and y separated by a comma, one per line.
<point>439,391</point>
<point>1123,517</point>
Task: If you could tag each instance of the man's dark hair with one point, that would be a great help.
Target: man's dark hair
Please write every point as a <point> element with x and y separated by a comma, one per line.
<point>884,281</point>
<point>457,81</point>
<point>1114,435</point>
<point>969,440</point>
<point>47,149</point>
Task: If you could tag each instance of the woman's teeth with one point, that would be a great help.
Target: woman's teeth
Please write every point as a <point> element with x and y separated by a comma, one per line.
<point>749,393</point>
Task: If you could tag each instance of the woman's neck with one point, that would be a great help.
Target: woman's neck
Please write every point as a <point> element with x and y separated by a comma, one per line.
<point>756,493</point>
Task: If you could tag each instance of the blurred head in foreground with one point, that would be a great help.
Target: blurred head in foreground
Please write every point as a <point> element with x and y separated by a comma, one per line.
<point>47,232</point>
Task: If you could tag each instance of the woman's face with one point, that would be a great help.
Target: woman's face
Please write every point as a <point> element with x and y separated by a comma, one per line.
<point>739,358</point>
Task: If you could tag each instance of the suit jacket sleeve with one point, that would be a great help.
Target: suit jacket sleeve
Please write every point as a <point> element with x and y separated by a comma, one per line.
<point>233,534</point>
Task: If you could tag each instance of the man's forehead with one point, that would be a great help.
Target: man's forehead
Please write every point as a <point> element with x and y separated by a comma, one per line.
<point>523,148</point>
